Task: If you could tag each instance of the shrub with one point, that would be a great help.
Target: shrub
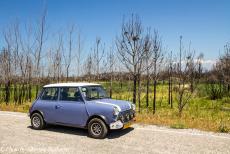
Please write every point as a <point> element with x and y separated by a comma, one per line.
<point>214,91</point>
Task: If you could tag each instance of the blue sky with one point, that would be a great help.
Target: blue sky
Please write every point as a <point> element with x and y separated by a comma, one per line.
<point>206,23</point>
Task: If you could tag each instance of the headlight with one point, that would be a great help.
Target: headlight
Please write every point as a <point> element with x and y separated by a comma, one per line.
<point>115,111</point>
<point>133,107</point>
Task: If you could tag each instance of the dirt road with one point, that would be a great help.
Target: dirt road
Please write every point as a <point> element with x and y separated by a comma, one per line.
<point>16,136</point>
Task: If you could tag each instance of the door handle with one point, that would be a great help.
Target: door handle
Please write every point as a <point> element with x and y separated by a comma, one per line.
<point>58,106</point>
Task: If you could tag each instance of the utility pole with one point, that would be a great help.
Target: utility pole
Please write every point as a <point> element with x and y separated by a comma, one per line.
<point>180,63</point>
<point>180,53</point>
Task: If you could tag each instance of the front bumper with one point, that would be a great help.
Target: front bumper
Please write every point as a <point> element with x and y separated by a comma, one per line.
<point>124,120</point>
<point>116,125</point>
<point>120,125</point>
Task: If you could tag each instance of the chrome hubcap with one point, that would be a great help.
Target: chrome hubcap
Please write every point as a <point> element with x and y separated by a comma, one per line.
<point>96,129</point>
<point>36,122</point>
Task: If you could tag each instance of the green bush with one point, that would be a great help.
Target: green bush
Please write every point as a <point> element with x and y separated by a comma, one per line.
<point>214,91</point>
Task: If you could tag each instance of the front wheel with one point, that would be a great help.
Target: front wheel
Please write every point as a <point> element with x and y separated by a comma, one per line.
<point>37,121</point>
<point>97,128</point>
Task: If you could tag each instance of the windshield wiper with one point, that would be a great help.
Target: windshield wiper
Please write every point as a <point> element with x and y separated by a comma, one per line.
<point>101,97</point>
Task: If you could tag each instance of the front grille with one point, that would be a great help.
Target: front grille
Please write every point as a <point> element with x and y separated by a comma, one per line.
<point>126,116</point>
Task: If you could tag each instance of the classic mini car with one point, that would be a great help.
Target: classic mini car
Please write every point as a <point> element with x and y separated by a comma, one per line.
<point>83,105</point>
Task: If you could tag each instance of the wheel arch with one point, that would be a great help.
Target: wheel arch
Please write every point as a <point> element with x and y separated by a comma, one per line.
<point>103,118</point>
<point>39,112</point>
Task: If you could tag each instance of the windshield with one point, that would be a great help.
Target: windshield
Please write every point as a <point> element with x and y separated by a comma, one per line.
<point>93,92</point>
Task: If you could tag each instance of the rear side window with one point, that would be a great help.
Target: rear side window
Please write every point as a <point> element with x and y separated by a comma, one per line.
<point>70,94</point>
<point>50,94</point>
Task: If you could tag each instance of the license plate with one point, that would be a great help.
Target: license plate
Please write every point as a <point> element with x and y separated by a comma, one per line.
<point>127,125</point>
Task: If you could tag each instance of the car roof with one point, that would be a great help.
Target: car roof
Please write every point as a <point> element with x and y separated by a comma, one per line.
<point>71,84</point>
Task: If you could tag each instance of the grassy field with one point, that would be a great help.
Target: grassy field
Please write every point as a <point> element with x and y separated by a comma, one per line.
<point>200,113</point>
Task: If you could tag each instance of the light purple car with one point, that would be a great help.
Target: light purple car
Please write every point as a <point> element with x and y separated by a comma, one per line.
<point>83,105</point>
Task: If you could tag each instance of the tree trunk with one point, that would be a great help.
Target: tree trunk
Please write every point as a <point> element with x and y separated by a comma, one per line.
<point>7,92</point>
<point>15,93</point>
<point>36,90</point>
<point>134,88</point>
<point>20,95</point>
<point>111,85</point>
<point>169,91</point>
<point>228,88</point>
<point>30,96</point>
<point>192,85</point>
<point>171,98</point>
<point>147,92</point>
<point>180,112</point>
<point>121,85</point>
<point>67,74</point>
<point>23,92</point>
<point>139,93</point>
<point>154,96</point>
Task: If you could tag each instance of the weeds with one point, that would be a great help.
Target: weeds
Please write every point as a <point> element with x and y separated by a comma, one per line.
<point>178,126</point>
<point>223,128</point>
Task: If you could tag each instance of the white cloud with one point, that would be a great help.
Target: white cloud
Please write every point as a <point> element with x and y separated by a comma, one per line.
<point>208,61</point>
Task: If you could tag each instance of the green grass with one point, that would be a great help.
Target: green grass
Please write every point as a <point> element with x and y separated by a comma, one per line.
<point>178,126</point>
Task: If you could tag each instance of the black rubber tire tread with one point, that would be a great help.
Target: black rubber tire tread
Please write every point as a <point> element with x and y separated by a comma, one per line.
<point>42,122</point>
<point>103,125</point>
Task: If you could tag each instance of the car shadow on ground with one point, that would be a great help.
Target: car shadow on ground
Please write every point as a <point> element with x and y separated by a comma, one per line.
<point>118,133</point>
<point>84,132</point>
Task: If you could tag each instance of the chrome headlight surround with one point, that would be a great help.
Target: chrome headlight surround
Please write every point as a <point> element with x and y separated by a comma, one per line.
<point>133,106</point>
<point>115,111</point>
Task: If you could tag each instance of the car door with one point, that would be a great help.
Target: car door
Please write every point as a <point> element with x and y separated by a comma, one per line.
<point>47,103</point>
<point>70,108</point>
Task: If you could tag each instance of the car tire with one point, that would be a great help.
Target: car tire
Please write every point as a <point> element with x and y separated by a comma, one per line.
<point>37,121</point>
<point>97,128</point>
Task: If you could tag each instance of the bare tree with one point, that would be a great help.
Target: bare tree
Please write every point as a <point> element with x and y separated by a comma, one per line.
<point>223,68</point>
<point>111,61</point>
<point>79,53</point>
<point>68,57</point>
<point>5,58</point>
<point>6,62</point>
<point>58,58</point>
<point>185,75</point>
<point>15,63</point>
<point>148,65</point>
<point>89,67</point>
<point>170,97</point>
<point>200,67</point>
<point>157,61</point>
<point>130,46</point>
<point>25,62</point>
<point>40,38</point>
<point>98,55</point>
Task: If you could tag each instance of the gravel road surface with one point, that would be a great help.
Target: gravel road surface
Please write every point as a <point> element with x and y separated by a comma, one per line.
<point>17,136</point>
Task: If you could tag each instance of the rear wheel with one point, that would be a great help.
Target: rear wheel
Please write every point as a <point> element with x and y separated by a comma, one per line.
<point>97,128</point>
<point>37,121</point>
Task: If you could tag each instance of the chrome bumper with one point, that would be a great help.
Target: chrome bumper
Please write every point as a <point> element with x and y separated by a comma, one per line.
<point>116,125</point>
<point>124,120</point>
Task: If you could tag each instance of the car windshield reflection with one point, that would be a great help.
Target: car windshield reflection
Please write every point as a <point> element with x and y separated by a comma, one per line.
<point>93,92</point>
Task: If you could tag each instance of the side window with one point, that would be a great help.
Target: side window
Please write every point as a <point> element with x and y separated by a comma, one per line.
<point>50,94</point>
<point>70,94</point>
